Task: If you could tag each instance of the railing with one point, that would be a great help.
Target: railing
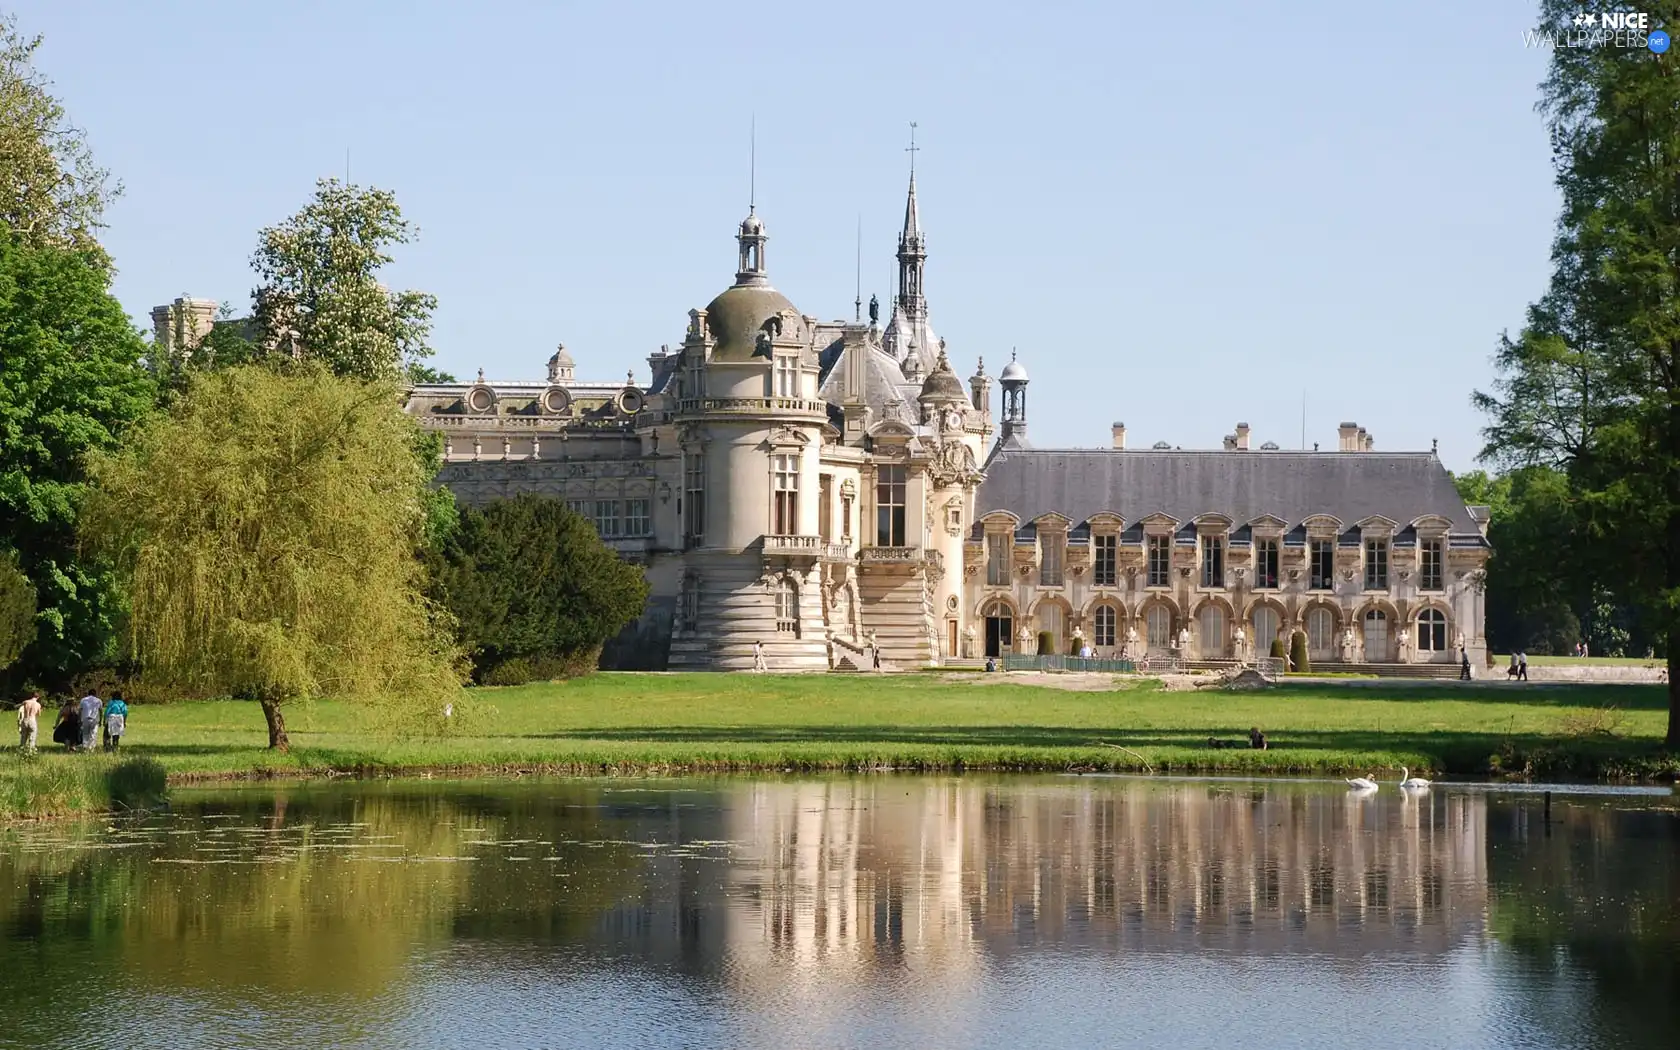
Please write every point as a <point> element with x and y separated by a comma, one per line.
<point>892,554</point>
<point>752,405</point>
<point>792,545</point>
<point>1053,662</point>
<point>1271,667</point>
<point>836,552</point>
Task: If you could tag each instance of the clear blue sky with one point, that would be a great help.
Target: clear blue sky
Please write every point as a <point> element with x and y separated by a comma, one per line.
<point>1183,215</point>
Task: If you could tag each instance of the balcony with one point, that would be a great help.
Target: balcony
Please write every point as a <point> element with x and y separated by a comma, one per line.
<point>753,406</point>
<point>836,552</point>
<point>891,555</point>
<point>793,546</point>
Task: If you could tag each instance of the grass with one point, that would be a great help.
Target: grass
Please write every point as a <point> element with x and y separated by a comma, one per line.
<point>1501,662</point>
<point>49,785</point>
<point>690,722</point>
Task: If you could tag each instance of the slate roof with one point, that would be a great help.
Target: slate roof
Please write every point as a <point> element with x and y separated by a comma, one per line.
<point>1135,483</point>
<point>884,383</point>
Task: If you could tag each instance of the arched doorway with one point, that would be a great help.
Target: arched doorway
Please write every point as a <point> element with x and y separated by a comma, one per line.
<point>1266,623</point>
<point>1321,634</point>
<point>1376,637</point>
<point>1158,621</point>
<point>1432,633</point>
<point>1212,621</point>
<point>1000,627</point>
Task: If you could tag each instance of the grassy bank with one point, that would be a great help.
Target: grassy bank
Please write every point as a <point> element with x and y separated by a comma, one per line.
<point>47,785</point>
<point>673,723</point>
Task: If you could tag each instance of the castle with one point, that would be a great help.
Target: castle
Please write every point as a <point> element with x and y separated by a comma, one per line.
<point>833,490</point>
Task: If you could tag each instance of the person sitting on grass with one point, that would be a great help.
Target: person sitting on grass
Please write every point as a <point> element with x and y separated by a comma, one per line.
<point>116,721</point>
<point>1256,739</point>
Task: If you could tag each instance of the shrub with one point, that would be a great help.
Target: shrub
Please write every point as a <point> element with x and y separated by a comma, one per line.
<point>1298,652</point>
<point>1046,643</point>
<point>137,783</point>
<point>1277,648</point>
<point>534,591</point>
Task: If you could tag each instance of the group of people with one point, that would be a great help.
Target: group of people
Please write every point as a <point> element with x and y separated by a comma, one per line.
<point>1582,651</point>
<point>79,721</point>
<point>1519,667</point>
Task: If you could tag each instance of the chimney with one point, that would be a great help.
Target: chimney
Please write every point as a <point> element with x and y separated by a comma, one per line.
<point>1230,442</point>
<point>1366,441</point>
<point>1242,437</point>
<point>1119,435</point>
<point>1348,433</point>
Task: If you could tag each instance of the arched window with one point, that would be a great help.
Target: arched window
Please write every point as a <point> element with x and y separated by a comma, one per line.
<point>1213,632</point>
<point>1159,620</point>
<point>1321,634</point>
<point>1432,631</point>
<point>787,608</point>
<point>1105,625</point>
<point>1376,637</point>
<point>1265,629</point>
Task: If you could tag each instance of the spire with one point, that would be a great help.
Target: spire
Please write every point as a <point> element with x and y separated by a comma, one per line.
<point>912,247</point>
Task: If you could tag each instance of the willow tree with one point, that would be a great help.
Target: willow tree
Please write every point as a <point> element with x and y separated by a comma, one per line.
<point>268,526</point>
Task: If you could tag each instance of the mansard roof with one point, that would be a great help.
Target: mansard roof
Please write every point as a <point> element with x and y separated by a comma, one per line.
<point>1136,483</point>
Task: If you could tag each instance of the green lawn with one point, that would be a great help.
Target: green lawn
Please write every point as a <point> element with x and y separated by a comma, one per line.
<point>1501,662</point>
<point>687,722</point>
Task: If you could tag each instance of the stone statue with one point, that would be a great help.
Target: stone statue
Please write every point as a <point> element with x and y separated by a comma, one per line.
<point>1348,644</point>
<point>1130,650</point>
<point>1403,641</point>
<point>1241,639</point>
<point>874,311</point>
<point>1184,639</point>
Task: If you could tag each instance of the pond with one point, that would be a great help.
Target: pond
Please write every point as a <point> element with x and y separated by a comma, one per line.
<point>869,911</point>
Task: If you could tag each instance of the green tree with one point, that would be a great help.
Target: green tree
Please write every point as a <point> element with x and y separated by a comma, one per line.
<point>1591,386</point>
<point>52,194</point>
<point>319,297</point>
<point>268,526</point>
<point>17,610</point>
<point>71,381</point>
<point>533,589</point>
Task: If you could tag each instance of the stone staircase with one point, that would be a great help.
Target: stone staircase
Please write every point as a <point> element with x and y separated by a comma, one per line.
<point>846,655</point>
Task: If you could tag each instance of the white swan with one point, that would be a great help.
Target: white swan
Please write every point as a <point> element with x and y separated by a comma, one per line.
<point>1362,783</point>
<point>1414,783</point>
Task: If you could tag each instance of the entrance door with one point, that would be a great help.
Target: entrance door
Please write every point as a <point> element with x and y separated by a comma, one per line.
<point>1376,637</point>
<point>950,638</point>
<point>1000,629</point>
<point>1213,633</point>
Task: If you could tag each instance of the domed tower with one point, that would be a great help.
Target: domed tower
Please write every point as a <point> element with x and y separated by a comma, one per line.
<point>1013,379</point>
<point>750,427</point>
<point>953,475</point>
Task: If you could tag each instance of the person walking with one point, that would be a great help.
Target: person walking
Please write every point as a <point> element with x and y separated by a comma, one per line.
<point>116,721</point>
<point>1522,667</point>
<point>66,730</point>
<point>28,714</point>
<point>758,658</point>
<point>88,710</point>
<point>1463,665</point>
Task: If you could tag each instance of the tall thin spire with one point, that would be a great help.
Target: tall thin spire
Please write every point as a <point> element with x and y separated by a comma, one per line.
<point>912,247</point>
<point>752,166</point>
<point>857,303</point>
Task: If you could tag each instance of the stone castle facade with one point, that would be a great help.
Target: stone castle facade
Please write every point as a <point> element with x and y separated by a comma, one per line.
<point>825,487</point>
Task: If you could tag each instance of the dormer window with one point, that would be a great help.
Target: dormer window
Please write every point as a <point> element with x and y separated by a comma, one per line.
<point>1213,561</point>
<point>1430,576</point>
<point>785,377</point>
<point>1052,556</point>
<point>1266,563</point>
<point>1376,565</point>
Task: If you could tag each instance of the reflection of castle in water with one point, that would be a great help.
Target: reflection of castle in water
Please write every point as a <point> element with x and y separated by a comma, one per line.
<point>868,867</point>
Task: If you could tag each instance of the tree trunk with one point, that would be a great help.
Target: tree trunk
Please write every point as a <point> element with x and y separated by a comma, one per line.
<point>277,739</point>
<point>1673,740</point>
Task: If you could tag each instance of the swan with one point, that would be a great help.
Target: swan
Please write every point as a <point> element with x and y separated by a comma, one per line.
<point>1362,783</point>
<point>1408,781</point>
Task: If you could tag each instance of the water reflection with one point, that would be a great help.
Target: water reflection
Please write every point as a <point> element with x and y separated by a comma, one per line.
<point>847,911</point>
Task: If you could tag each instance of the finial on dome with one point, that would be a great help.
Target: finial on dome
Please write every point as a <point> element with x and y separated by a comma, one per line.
<point>481,375</point>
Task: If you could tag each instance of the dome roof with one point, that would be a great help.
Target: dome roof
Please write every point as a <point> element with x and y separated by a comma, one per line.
<point>735,317</point>
<point>1013,372</point>
<point>752,225</point>
<point>942,384</point>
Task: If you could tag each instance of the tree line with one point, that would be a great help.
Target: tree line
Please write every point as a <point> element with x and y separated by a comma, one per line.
<point>247,511</point>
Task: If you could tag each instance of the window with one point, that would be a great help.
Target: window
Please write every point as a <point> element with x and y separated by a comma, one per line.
<point>889,505</point>
<point>846,519</point>
<point>636,518</point>
<point>1431,557</point>
<point>787,376</point>
<point>825,507</point>
<point>694,481</point>
<point>1323,565</point>
<point>785,483</point>
<point>1213,632</point>
<point>1105,625</point>
<point>1052,548</point>
<point>1376,637</point>
<point>1321,633</point>
<point>1432,631</point>
<point>787,608</point>
<point>582,508</point>
<point>1213,561</point>
<point>1160,557</point>
<point>1000,627</point>
<point>997,559</point>
<point>1376,565</point>
<point>1266,623</point>
<point>1104,572</point>
<point>1265,563</point>
<point>606,518</point>
<point>1159,620</point>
